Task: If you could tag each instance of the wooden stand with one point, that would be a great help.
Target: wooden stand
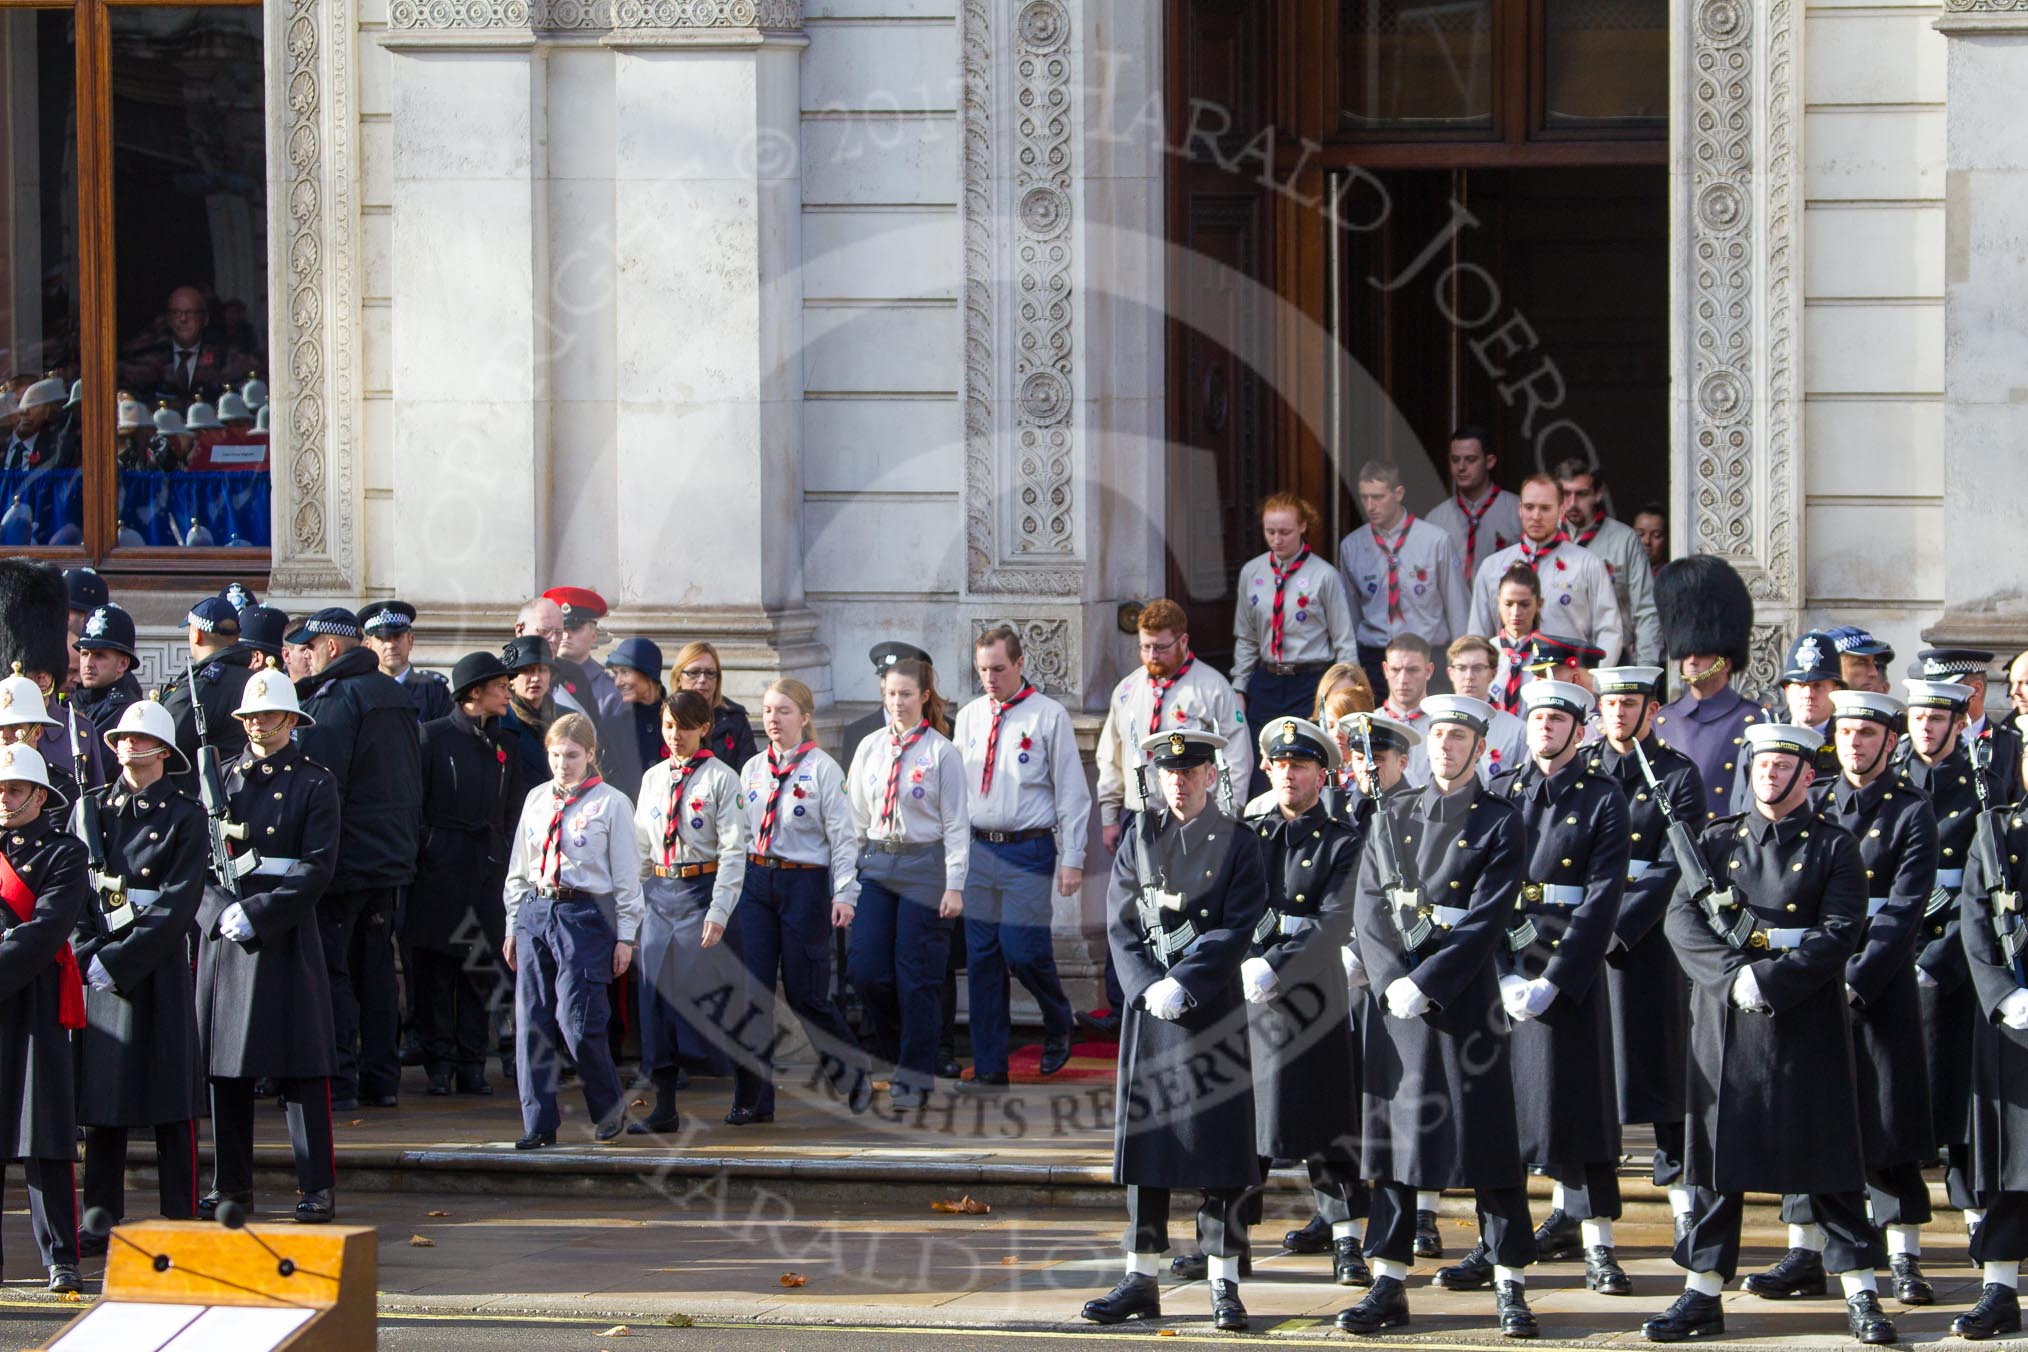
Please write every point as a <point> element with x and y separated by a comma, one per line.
<point>192,1286</point>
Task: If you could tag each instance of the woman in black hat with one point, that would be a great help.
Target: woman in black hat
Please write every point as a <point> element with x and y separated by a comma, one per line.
<point>455,924</point>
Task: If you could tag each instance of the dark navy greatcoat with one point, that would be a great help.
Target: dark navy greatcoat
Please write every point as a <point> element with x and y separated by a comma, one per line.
<point>1574,825</point>
<point>38,1092</point>
<point>1439,1088</point>
<point>1898,847</point>
<point>1712,733</point>
<point>1949,1004</point>
<point>1999,1123</point>
<point>1184,1114</point>
<point>138,1063</point>
<point>1650,996</point>
<point>1773,1105</point>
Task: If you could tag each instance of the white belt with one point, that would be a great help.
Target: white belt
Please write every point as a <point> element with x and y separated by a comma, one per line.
<point>1555,894</point>
<point>275,868</point>
<point>1636,867</point>
<point>1785,938</point>
<point>1450,917</point>
<point>1874,904</point>
<point>1952,878</point>
<point>141,898</point>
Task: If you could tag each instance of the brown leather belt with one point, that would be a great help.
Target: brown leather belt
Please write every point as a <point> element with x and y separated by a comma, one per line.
<point>685,870</point>
<point>770,861</point>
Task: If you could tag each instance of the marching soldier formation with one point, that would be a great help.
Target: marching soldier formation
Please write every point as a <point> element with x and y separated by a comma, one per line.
<point>1491,899</point>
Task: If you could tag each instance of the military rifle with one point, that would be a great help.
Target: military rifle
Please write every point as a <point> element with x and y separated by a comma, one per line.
<point>211,788</point>
<point>1728,919</point>
<point>1404,903</point>
<point>114,912</point>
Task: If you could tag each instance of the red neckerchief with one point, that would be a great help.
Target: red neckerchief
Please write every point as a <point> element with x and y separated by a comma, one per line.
<point>1515,650</point>
<point>1393,556</point>
<point>1590,532</point>
<point>993,735</point>
<point>670,837</point>
<point>551,870</point>
<point>1160,685</point>
<point>1533,554</point>
<point>902,745</point>
<point>1472,520</point>
<point>781,774</point>
<point>1282,576</point>
<point>20,899</point>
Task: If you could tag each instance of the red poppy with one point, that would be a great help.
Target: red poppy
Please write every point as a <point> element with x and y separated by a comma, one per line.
<point>1560,565</point>
<point>1025,743</point>
<point>1422,575</point>
<point>697,805</point>
<point>500,754</point>
<point>797,791</point>
<point>916,776</point>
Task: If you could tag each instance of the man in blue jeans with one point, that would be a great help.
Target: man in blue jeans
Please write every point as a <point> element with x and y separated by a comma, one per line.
<point>1030,811</point>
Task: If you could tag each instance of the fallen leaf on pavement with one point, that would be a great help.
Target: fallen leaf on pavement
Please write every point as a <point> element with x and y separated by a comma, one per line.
<point>794,1279</point>
<point>638,1103</point>
<point>438,1213</point>
<point>71,1297</point>
<point>1009,1261</point>
<point>421,1242</point>
<point>967,1205</point>
<point>618,1331</point>
<point>356,1122</point>
<point>679,1321</point>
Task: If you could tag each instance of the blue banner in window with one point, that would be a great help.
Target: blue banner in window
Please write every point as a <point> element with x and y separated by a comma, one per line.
<point>226,508</point>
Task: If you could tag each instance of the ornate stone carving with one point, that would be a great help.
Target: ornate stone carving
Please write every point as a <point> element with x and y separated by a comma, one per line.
<point>1984,6</point>
<point>1052,660</point>
<point>1020,453</point>
<point>596,15</point>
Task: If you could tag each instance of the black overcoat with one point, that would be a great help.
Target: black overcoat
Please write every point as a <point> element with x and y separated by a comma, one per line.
<point>38,1089</point>
<point>1949,1004</point>
<point>1999,1121</point>
<point>471,798</point>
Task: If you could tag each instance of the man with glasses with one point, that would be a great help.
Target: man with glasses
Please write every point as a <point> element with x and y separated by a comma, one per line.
<point>582,609</point>
<point>183,366</point>
<point>1471,664</point>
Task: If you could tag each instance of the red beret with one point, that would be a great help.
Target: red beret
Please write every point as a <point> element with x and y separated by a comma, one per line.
<point>579,603</point>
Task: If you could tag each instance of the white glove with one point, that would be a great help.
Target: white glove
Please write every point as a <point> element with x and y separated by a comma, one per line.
<point>1924,980</point>
<point>234,925</point>
<point>1746,992</point>
<point>1405,999</point>
<point>1514,995</point>
<point>102,980</point>
<point>1541,992</point>
<point>2014,1011</point>
<point>1259,980</point>
<point>1355,966</point>
<point>1166,999</point>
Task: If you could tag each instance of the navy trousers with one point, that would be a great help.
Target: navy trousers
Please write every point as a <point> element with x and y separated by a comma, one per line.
<point>899,949</point>
<point>1007,911</point>
<point>564,960</point>
<point>784,924</point>
<point>52,1207</point>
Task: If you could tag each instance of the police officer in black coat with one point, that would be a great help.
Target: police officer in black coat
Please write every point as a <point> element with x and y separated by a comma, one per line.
<point>262,629</point>
<point>220,665</point>
<point>1650,998</point>
<point>1898,846</point>
<point>1773,1100</point>
<point>1186,895</point>
<point>106,659</point>
<point>263,994</point>
<point>366,735</point>
<point>43,891</point>
<point>455,920</point>
<point>1436,891</point>
<point>1565,918</point>
<point>1935,761</point>
<point>389,628</point>
<point>138,1062</point>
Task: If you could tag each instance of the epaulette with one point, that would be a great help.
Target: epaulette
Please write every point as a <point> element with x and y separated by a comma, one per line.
<point>209,671</point>
<point>436,676</point>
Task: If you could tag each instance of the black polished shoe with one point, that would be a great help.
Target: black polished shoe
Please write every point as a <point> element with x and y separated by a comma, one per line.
<point>1055,1054</point>
<point>1603,1273</point>
<point>380,1101</point>
<point>1799,1273</point>
<point>746,1117</point>
<point>610,1129</point>
<point>440,1085</point>
<point>1558,1239</point>
<point>1510,1302</point>
<point>1348,1265</point>
<point>344,1105</point>
<point>93,1246</point>
<point>1428,1243</point>
<point>1694,1315</point>
<point>1473,1272</point>
<point>1910,1286</point>
<point>1105,1025</point>
<point>907,1097</point>
<point>1998,1312</point>
<point>536,1140</point>
<point>1314,1237</point>
<point>1136,1297</point>
<point>64,1279</point>
<point>207,1205</point>
<point>983,1084</point>
<point>655,1126</point>
<point>1385,1307</point>
<point>315,1208</point>
<point>1868,1322</point>
<point>475,1085</point>
<point>1194,1267</point>
<point>1227,1314</point>
<point>948,1068</point>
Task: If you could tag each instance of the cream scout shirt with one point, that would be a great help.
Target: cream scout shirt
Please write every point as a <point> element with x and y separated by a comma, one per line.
<point>1498,528</point>
<point>709,826</point>
<point>600,854</point>
<point>1317,617</point>
<point>929,797</point>
<point>1577,597</point>
<point>1201,699</point>
<point>813,824</point>
<point>1038,778</point>
<point>1430,579</point>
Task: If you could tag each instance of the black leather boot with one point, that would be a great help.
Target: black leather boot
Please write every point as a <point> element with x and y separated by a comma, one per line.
<point>1314,1237</point>
<point>1694,1315</point>
<point>1510,1299</point>
<point>1558,1239</point>
<point>1603,1273</point>
<point>1428,1243</point>
<point>1868,1322</point>
<point>1385,1307</point>
<point>1227,1314</point>
<point>1348,1265</point>
<point>1136,1297</point>
<point>1910,1286</point>
<point>1473,1272</point>
<point>1998,1312</point>
<point>1800,1273</point>
<point>1194,1267</point>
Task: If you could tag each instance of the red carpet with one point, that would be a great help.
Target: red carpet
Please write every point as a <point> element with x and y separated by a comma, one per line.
<point>1092,1060</point>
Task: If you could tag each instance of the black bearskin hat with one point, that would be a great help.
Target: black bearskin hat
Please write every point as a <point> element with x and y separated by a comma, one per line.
<point>34,619</point>
<point>1704,607</point>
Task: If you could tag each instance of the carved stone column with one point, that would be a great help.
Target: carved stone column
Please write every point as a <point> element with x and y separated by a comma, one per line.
<point>1985,347</point>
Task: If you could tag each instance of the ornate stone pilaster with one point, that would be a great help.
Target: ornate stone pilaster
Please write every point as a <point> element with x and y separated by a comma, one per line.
<point>1737,203</point>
